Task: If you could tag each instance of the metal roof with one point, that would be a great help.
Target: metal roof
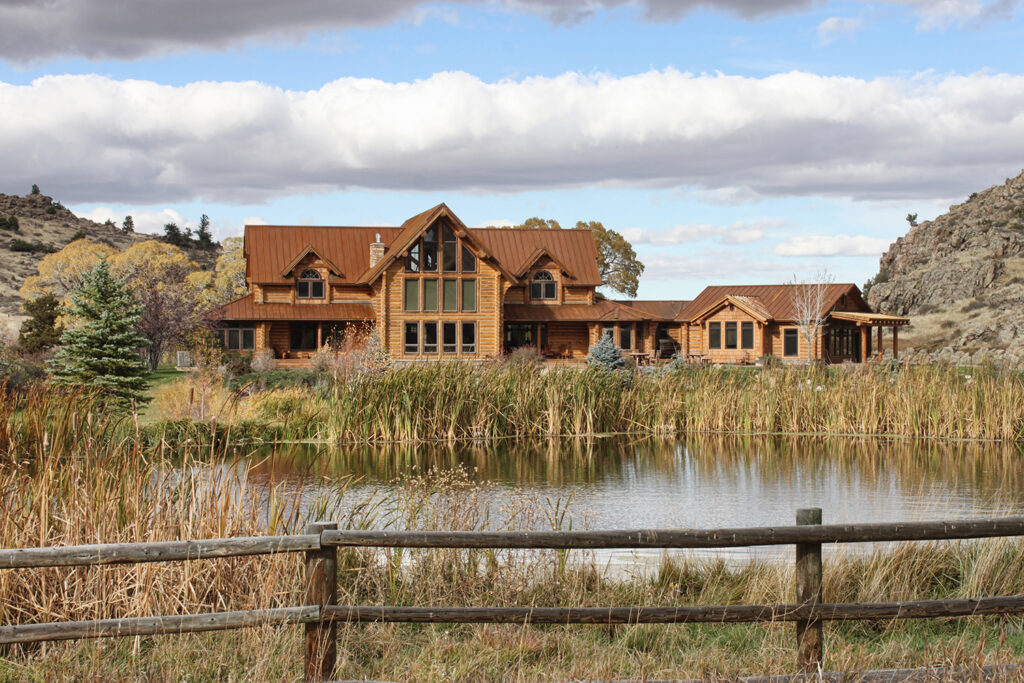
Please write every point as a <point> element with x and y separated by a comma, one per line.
<point>663,310</point>
<point>600,311</point>
<point>879,319</point>
<point>778,301</point>
<point>246,309</point>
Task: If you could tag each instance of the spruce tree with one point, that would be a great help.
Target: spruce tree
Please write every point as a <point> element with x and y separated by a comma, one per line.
<point>203,235</point>
<point>40,331</point>
<point>606,354</point>
<point>128,225</point>
<point>100,349</point>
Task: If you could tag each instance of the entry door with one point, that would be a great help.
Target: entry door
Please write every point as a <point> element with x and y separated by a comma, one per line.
<point>302,336</point>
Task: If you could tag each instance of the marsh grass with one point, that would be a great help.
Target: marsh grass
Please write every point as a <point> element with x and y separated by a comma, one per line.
<point>99,483</point>
<point>460,401</point>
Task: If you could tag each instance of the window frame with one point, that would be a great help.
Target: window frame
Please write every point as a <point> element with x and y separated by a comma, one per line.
<point>447,348</point>
<point>414,284</point>
<point>444,298</point>
<point>714,335</point>
<point>747,328</point>
<point>431,304</point>
<point>543,286</point>
<point>467,256</point>
<point>623,329</point>
<point>467,325</point>
<point>427,347</point>
<point>731,327</point>
<point>451,245</point>
<point>462,293</point>
<point>414,348</point>
<point>788,332</point>
<point>309,280</point>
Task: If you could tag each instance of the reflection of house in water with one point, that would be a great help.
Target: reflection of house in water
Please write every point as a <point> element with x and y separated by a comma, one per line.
<point>436,289</point>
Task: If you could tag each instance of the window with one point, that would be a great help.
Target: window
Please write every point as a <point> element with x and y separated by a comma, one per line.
<point>469,295</point>
<point>469,337</point>
<point>309,285</point>
<point>730,335</point>
<point>450,296</point>
<point>302,336</point>
<point>468,260</point>
<point>412,295</point>
<point>412,260</point>
<point>747,335</point>
<point>517,335</point>
<point>412,337</point>
<point>626,336</point>
<point>448,330</point>
<point>238,338</point>
<point>790,342</point>
<point>542,286</point>
<point>450,250</point>
<point>845,342</point>
<point>429,337</point>
<point>430,294</point>
<point>608,331</point>
<point>714,335</point>
<point>430,250</point>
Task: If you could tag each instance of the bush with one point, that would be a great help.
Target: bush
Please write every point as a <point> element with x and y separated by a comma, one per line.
<point>770,361</point>
<point>263,361</point>
<point>275,379</point>
<point>32,247</point>
<point>605,354</point>
<point>79,235</point>
<point>10,223</point>
<point>238,364</point>
<point>524,356</point>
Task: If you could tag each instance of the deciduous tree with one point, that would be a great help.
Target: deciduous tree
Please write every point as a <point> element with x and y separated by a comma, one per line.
<point>227,281</point>
<point>60,272</point>
<point>100,349</point>
<point>809,301</point>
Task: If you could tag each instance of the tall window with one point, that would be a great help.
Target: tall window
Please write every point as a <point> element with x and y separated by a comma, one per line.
<point>730,336</point>
<point>790,342</point>
<point>542,286</point>
<point>430,250</point>
<point>412,337</point>
<point>450,296</point>
<point>309,285</point>
<point>714,335</point>
<point>430,294</point>
<point>468,260</point>
<point>747,335</point>
<point>450,250</point>
<point>626,336</point>
<point>469,295</point>
<point>449,345</point>
<point>412,261</point>
<point>469,337</point>
<point>411,298</point>
<point>429,337</point>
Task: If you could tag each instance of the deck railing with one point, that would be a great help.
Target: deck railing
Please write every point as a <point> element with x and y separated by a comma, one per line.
<point>321,613</point>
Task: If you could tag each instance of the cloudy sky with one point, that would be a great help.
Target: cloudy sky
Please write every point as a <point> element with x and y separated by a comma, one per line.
<point>737,141</point>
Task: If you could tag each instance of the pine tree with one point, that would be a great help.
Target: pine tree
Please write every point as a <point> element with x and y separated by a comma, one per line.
<point>203,235</point>
<point>606,354</point>
<point>40,331</point>
<point>100,350</point>
<point>35,189</point>
<point>172,234</point>
<point>128,225</point>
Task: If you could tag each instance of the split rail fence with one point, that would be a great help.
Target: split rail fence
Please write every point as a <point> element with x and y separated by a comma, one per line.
<point>321,613</point>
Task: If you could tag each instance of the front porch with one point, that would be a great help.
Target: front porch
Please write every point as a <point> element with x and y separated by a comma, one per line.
<point>869,327</point>
<point>570,342</point>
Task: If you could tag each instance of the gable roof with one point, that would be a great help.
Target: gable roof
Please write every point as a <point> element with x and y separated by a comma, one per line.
<point>537,255</point>
<point>310,249</point>
<point>750,304</point>
<point>270,249</point>
<point>777,302</point>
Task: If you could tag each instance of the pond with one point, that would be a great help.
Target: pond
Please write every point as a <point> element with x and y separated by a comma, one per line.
<point>699,482</point>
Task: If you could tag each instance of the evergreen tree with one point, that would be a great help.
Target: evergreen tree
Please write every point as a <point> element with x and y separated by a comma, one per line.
<point>172,234</point>
<point>203,235</point>
<point>606,354</point>
<point>101,349</point>
<point>35,189</point>
<point>40,331</point>
<point>128,225</point>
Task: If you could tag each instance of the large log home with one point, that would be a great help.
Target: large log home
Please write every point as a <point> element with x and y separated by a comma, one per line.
<point>436,289</point>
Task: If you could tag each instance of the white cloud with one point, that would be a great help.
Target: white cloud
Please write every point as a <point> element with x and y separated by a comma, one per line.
<point>832,245</point>
<point>147,220</point>
<point>716,267</point>
<point>738,233</point>
<point>94,139</point>
<point>36,30</point>
<point>834,27</point>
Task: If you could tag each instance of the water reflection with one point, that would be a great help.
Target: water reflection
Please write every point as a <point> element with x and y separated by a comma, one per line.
<point>699,482</point>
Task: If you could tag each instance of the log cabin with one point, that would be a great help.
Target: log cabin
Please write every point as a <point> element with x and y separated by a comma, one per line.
<point>434,289</point>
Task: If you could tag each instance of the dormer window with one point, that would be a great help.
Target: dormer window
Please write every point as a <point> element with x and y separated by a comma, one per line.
<point>542,286</point>
<point>309,285</point>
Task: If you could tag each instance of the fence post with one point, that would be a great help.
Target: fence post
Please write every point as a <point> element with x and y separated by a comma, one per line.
<point>808,591</point>
<point>321,589</point>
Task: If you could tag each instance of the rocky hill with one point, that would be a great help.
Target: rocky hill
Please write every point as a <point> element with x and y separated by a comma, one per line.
<point>960,278</point>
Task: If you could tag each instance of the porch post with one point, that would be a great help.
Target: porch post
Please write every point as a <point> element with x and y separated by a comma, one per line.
<point>536,336</point>
<point>617,334</point>
<point>895,342</point>
<point>879,342</point>
<point>319,335</point>
<point>864,338</point>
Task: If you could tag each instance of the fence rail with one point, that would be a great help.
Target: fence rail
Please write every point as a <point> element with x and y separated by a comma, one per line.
<point>321,613</point>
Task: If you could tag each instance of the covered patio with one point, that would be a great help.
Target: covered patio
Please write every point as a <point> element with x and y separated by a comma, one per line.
<point>865,323</point>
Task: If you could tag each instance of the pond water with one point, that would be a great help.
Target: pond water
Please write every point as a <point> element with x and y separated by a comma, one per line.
<point>706,482</point>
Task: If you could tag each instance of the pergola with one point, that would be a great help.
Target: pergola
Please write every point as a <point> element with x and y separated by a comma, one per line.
<point>865,321</point>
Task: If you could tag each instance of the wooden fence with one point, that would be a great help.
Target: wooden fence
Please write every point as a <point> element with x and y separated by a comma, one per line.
<point>321,613</point>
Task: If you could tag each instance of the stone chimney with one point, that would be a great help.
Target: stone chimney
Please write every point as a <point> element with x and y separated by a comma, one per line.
<point>376,251</point>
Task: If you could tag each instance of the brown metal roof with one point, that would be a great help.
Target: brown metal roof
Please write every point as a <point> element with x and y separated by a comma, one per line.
<point>574,250</point>
<point>775,300</point>
<point>246,309</point>
<point>878,319</point>
<point>601,311</point>
<point>270,249</point>
<point>663,310</point>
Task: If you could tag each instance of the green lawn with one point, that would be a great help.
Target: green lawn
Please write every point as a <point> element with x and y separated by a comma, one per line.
<point>162,375</point>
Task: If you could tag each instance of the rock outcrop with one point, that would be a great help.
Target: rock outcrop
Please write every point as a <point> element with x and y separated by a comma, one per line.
<point>961,278</point>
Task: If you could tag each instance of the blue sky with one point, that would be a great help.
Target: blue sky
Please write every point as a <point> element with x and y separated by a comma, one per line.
<point>730,145</point>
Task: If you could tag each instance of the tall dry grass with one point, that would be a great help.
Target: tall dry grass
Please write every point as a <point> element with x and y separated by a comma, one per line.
<point>69,475</point>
